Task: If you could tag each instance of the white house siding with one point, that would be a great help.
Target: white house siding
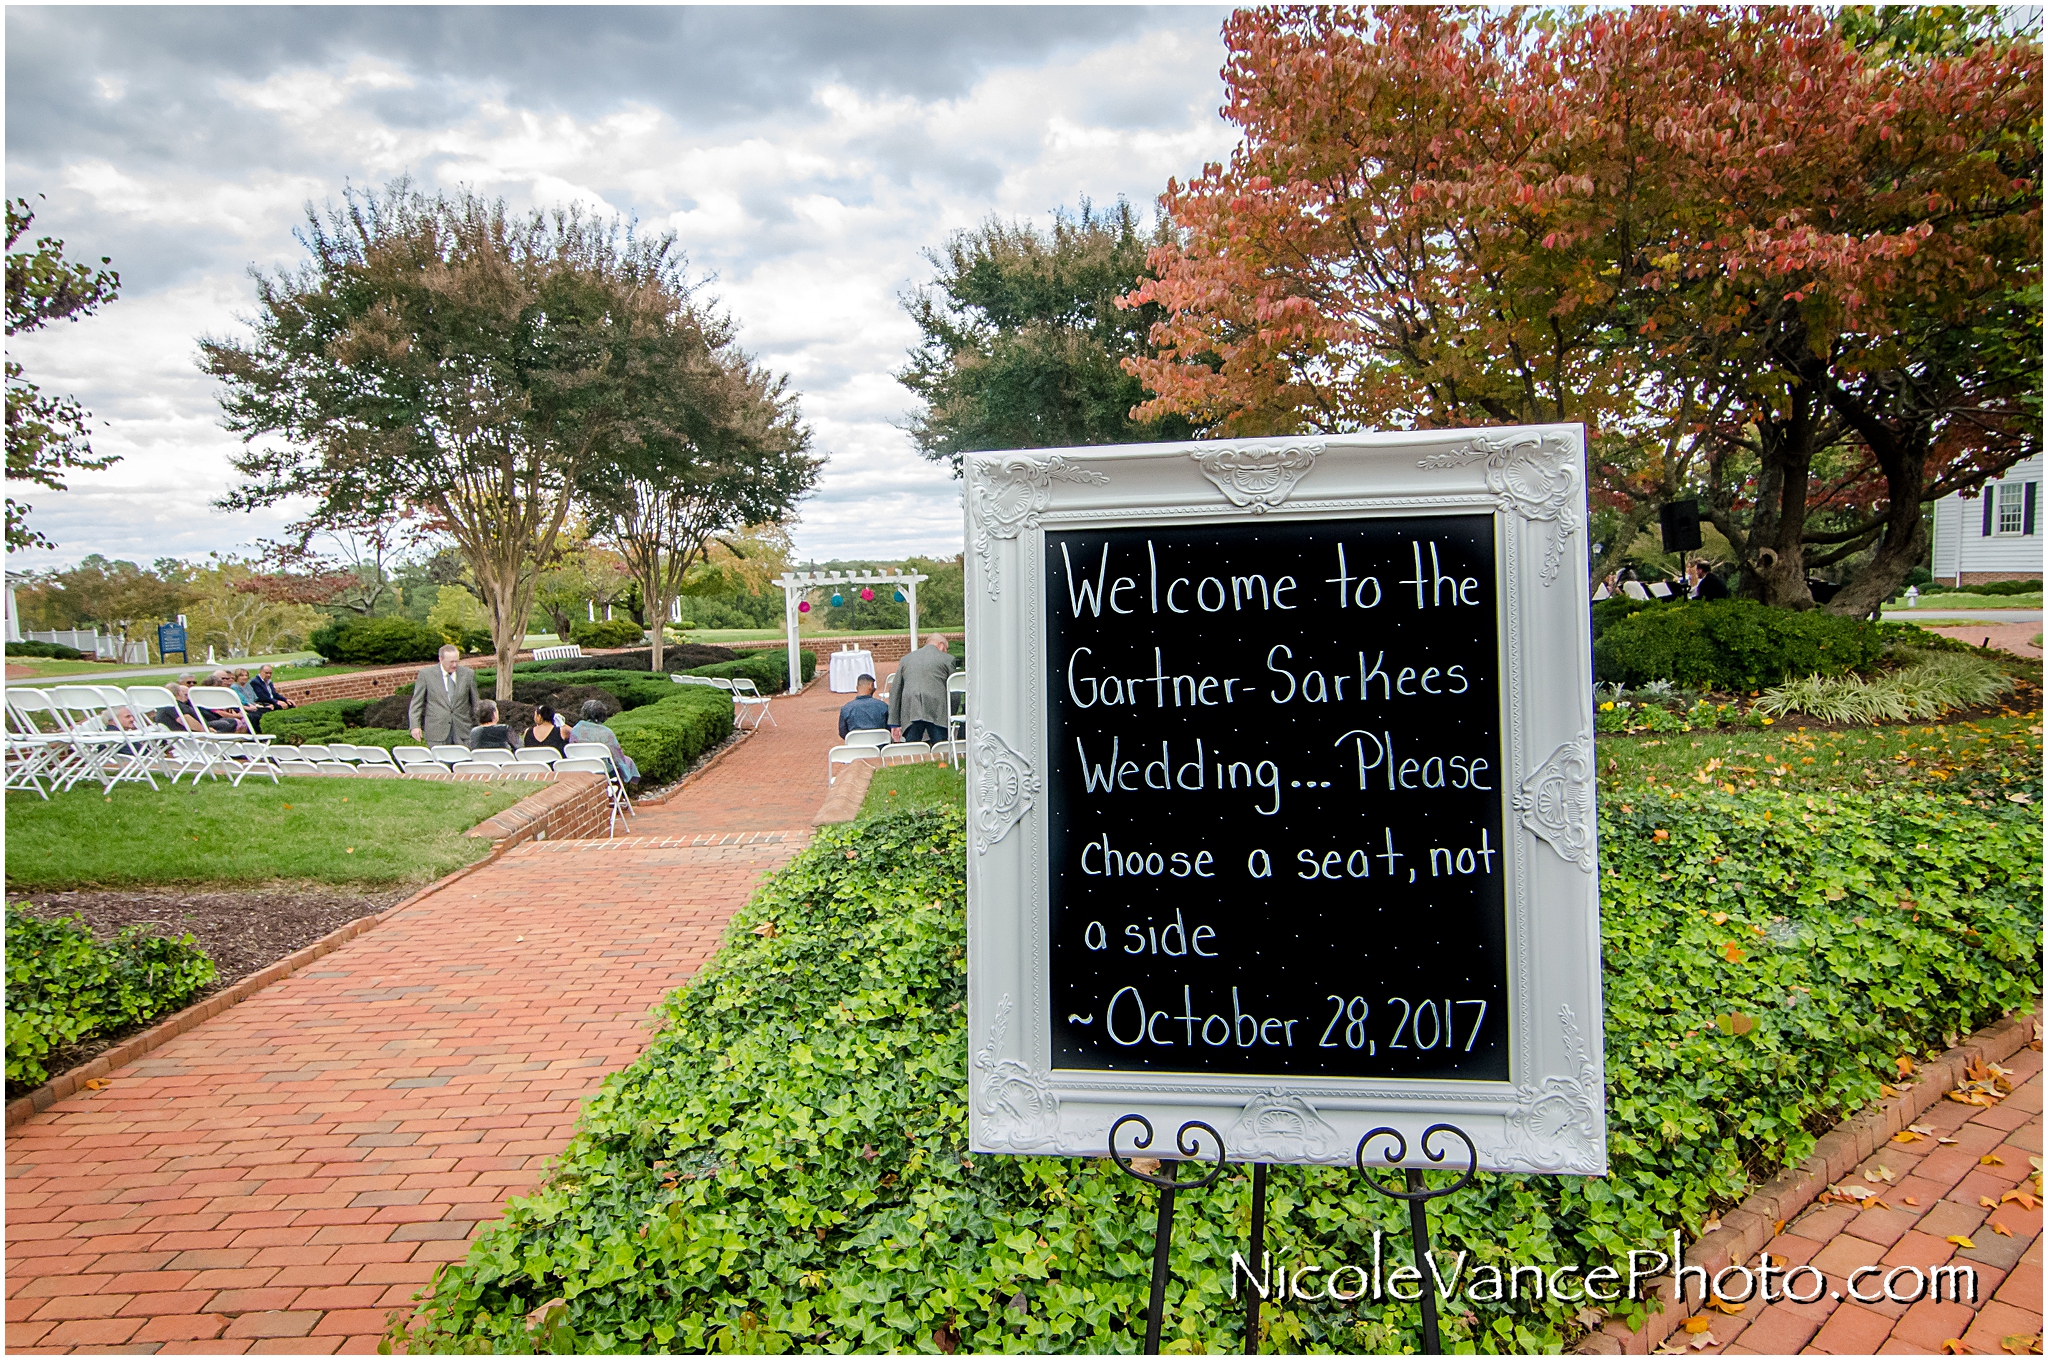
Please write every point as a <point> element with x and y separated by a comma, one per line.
<point>1963,555</point>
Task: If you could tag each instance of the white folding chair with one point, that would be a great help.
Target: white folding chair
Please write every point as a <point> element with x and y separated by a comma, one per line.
<point>109,752</point>
<point>747,698</point>
<point>34,755</point>
<point>491,756</point>
<point>407,755</point>
<point>450,755</point>
<point>373,755</point>
<point>182,751</point>
<point>426,767</point>
<point>536,755</point>
<point>334,767</point>
<point>868,736</point>
<point>248,751</point>
<point>614,779</point>
<point>953,752</point>
<point>906,750</point>
<point>296,767</point>
<point>956,683</point>
<point>312,750</point>
<point>847,755</point>
<point>694,680</point>
<point>341,750</point>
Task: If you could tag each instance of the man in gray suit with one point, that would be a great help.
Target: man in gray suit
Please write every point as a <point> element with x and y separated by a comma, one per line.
<point>444,702</point>
<point>918,710</point>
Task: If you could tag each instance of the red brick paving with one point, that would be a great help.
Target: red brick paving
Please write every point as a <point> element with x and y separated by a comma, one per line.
<point>284,1175</point>
<point>2017,638</point>
<point>780,766</point>
<point>1949,1183</point>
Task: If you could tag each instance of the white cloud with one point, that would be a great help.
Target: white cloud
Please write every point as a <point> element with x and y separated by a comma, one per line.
<point>813,219</point>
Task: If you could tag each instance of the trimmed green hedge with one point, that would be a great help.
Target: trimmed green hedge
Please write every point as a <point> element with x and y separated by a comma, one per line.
<point>377,642</point>
<point>64,986</point>
<point>1730,645</point>
<point>664,737</point>
<point>785,1169</point>
<point>49,651</point>
<point>314,722</point>
<point>606,633</point>
<point>768,670</point>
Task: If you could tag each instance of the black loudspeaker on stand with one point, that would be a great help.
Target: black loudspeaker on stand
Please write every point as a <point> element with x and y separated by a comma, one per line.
<point>1680,523</point>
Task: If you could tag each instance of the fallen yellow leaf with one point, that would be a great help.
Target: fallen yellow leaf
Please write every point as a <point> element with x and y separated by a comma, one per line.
<point>1960,1240</point>
<point>1696,1325</point>
<point>2022,1344</point>
<point>1991,1159</point>
<point>96,1084</point>
<point>1914,1202</point>
<point>1986,1202</point>
<point>1905,1066</point>
<point>1953,1347</point>
<point>1999,1228</point>
<point>1733,952</point>
<point>1722,1305</point>
<point>1906,1136</point>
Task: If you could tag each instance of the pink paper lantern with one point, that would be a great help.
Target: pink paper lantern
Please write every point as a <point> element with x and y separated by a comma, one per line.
<point>803,606</point>
<point>866,594</point>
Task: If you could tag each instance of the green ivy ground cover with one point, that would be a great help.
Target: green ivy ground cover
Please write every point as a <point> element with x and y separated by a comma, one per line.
<point>785,1168</point>
<point>64,986</point>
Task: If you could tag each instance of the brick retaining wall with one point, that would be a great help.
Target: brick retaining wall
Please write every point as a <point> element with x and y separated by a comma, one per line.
<point>576,808</point>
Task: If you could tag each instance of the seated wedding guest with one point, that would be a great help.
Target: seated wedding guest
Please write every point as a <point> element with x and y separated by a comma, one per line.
<point>592,728</point>
<point>183,716</point>
<point>242,688</point>
<point>489,734</point>
<point>267,696</point>
<point>864,710</point>
<point>547,729</point>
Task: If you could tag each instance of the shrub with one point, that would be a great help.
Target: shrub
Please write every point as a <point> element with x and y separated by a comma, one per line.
<point>316,722</point>
<point>477,642</point>
<point>64,986</point>
<point>664,737</point>
<point>606,633</point>
<point>1731,645</point>
<point>1924,690</point>
<point>377,642</point>
<point>785,1169</point>
<point>677,658</point>
<point>768,670</point>
<point>53,651</point>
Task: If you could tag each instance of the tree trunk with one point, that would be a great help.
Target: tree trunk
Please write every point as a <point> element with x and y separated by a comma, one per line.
<point>1903,457</point>
<point>657,611</point>
<point>1774,565</point>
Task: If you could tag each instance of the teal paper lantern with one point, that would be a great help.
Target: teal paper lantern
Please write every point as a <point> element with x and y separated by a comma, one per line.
<point>899,597</point>
<point>837,599</point>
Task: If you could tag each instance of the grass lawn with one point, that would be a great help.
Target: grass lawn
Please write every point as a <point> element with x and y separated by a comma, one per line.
<point>1962,599</point>
<point>1979,758</point>
<point>902,788</point>
<point>325,830</point>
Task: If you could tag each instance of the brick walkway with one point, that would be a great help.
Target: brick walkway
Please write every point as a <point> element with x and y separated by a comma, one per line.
<point>2017,638</point>
<point>1936,1193</point>
<point>282,1176</point>
<point>777,770</point>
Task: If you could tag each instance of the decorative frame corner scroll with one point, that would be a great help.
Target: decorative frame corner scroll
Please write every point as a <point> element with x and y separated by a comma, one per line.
<point>1555,801</point>
<point>1556,1125</point>
<point>1009,493</point>
<point>1017,1104</point>
<point>1533,475</point>
<point>1004,784</point>
<point>1256,477</point>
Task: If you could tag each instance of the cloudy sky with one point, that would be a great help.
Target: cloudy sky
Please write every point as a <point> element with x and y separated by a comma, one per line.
<point>805,157</point>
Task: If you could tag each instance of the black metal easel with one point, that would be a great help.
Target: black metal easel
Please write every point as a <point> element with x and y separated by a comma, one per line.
<point>1417,1195</point>
<point>1169,1184</point>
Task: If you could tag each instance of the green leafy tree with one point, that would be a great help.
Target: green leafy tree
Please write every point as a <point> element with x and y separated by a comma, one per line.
<point>444,356</point>
<point>46,433</point>
<point>1024,341</point>
<point>107,594</point>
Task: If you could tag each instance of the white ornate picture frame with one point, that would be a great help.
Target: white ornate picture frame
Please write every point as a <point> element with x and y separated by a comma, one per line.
<point>1548,1115</point>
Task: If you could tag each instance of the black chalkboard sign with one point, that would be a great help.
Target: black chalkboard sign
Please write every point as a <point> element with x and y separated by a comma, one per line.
<point>1274,784</point>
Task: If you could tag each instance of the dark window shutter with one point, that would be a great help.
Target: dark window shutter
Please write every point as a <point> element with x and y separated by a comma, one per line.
<point>1990,509</point>
<point>2028,527</point>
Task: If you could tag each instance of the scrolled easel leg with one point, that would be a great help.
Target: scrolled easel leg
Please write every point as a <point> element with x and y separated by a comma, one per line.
<point>1189,1142</point>
<point>1417,1195</point>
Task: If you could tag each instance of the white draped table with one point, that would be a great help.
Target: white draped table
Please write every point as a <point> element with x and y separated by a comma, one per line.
<point>847,668</point>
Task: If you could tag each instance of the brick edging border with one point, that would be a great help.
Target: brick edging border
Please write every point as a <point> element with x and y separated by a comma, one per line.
<point>1748,1228</point>
<point>21,1108</point>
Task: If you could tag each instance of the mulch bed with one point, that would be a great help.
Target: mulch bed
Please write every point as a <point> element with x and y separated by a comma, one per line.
<point>243,930</point>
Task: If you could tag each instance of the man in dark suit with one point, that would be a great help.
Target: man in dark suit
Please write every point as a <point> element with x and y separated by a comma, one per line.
<point>1705,585</point>
<point>443,707</point>
<point>268,697</point>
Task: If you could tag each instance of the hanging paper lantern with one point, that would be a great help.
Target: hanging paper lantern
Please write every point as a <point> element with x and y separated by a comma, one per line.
<point>837,599</point>
<point>866,594</point>
<point>803,606</point>
<point>899,597</point>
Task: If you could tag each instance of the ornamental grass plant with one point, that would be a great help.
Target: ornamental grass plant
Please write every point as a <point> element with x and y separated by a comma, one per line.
<point>785,1169</point>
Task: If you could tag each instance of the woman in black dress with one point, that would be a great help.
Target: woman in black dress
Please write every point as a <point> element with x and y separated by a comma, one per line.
<point>547,729</point>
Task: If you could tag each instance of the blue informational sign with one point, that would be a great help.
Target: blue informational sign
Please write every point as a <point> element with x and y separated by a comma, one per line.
<point>170,637</point>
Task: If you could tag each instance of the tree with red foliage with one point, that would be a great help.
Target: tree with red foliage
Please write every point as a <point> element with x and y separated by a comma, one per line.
<point>1744,247</point>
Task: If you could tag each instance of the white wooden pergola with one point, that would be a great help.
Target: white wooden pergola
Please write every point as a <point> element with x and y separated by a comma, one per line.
<point>797,584</point>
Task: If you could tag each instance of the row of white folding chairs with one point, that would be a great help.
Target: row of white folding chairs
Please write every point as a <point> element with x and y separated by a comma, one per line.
<point>862,745</point>
<point>746,697</point>
<point>589,757</point>
<point>70,732</point>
